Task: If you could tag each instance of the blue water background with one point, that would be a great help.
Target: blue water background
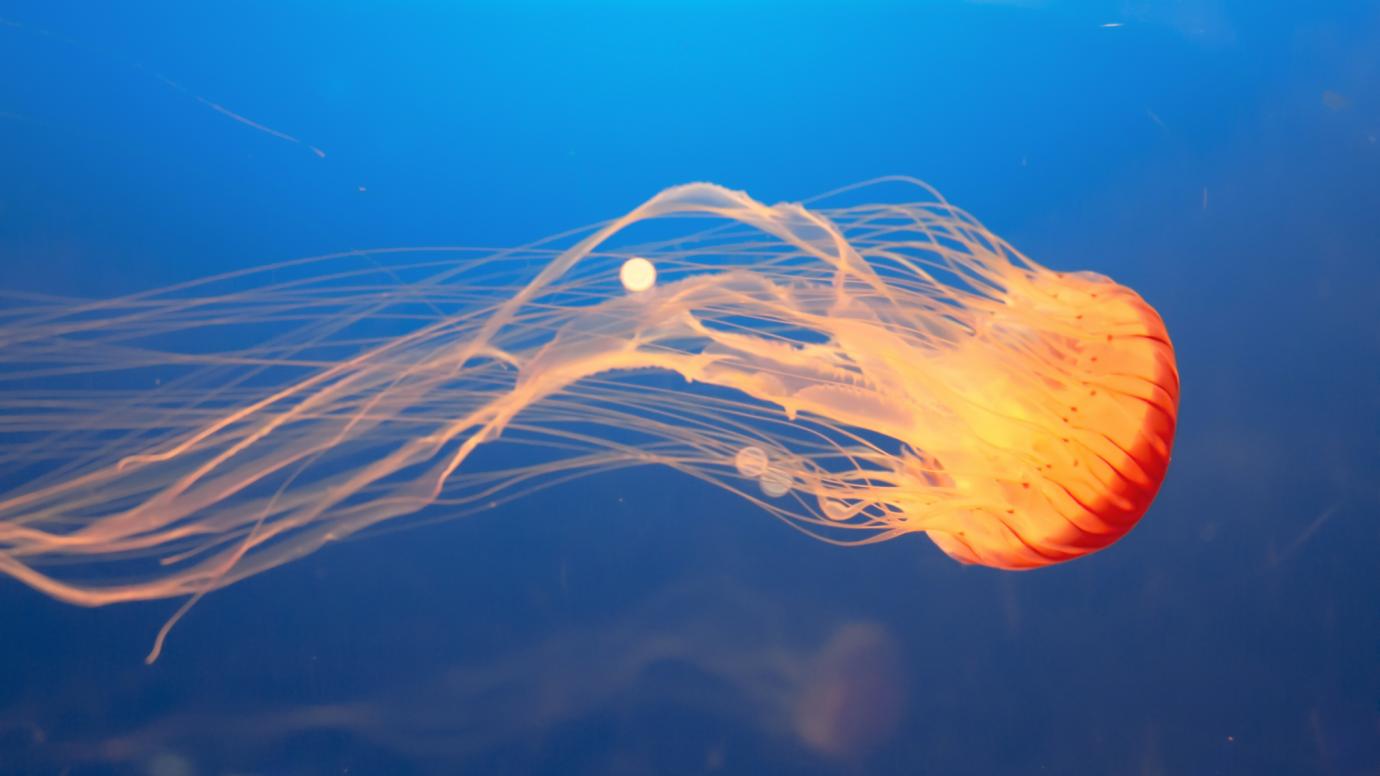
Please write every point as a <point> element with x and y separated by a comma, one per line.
<point>1222,158</point>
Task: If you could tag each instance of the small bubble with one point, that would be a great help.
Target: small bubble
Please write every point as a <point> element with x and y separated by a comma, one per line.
<point>751,461</point>
<point>775,483</point>
<point>637,274</point>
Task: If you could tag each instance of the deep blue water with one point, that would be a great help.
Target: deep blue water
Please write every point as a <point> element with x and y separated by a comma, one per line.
<point>1222,158</point>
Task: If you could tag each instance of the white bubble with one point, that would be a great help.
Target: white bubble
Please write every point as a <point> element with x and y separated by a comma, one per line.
<point>637,274</point>
<point>751,461</point>
<point>775,483</point>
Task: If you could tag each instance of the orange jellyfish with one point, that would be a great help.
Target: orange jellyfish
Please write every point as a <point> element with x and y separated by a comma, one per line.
<point>861,371</point>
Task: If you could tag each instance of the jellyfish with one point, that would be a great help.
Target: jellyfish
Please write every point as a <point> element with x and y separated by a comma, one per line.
<point>865,365</point>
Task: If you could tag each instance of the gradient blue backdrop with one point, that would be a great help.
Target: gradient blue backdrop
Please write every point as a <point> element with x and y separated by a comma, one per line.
<point>1219,156</point>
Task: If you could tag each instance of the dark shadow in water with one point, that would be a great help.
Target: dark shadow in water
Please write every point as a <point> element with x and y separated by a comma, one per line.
<point>828,693</point>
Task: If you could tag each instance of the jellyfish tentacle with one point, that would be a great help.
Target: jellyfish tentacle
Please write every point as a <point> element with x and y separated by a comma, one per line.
<point>901,368</point>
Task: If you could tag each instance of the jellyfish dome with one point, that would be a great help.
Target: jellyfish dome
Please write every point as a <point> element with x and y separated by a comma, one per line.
<point>864,365</point>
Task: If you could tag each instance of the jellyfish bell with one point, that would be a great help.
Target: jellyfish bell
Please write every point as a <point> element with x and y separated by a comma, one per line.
<point>908,370</point>
<point>1075,437</point>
